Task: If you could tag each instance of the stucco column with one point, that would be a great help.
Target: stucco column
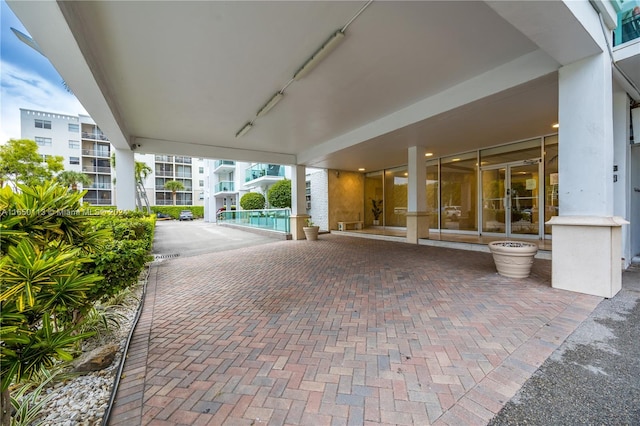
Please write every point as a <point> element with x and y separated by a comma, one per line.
<point>299,214</point>
<point>126,180</point>
<point>587,248</point>
<point>417,216</point>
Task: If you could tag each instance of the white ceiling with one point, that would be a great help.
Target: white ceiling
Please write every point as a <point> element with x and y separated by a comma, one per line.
<point>184,77</point>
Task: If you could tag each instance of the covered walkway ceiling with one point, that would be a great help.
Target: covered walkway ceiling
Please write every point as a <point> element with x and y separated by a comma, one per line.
<point>184,77</point>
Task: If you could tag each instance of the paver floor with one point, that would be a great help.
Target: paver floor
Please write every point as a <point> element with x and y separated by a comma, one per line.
<point>339,331</point>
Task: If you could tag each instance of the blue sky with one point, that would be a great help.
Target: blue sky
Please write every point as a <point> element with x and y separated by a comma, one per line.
<point>27,79</point>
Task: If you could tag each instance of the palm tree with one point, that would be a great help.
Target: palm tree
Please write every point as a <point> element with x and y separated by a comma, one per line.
<point>142,171</point>
<point>174,186</point>
<point>70,178</point>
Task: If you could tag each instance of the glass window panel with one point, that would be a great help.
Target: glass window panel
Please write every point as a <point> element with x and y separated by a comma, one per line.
<point>519,151</point>
<point>551,201</point>
<point>373,191</point>
<point>395,200</point>
<point>458,177</point>
<point>433,191</point>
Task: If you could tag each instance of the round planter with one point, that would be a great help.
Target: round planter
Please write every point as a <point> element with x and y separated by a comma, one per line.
<point>513,259</point>
<point>311,232</point>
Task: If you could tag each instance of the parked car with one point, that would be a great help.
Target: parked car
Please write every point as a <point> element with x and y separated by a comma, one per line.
<point>163,216</point>
<point>452,212</point>
<point>185,215</point>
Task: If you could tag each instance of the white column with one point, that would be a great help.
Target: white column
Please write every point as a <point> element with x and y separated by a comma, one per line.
<point>586,236</point>
<point>125,183</point>
<point>417,216</point>
<point>622,165</point>
<point>299,214</point>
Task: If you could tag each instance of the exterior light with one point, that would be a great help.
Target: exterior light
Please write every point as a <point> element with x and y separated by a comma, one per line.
<point>244,130</point>
<point>556,126</point>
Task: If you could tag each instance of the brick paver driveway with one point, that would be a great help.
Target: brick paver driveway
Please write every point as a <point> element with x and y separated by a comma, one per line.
<point>339,331</point>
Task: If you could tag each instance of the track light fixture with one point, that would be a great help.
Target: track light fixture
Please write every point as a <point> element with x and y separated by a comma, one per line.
<point>270,104</point>
<point>328,46</point>
<point>244,130</point>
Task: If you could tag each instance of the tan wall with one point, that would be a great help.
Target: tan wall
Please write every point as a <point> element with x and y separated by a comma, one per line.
<point>346,195</point>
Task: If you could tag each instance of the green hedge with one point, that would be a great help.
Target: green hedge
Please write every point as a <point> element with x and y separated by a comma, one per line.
<point>174,211</point>
<point>124,256</point>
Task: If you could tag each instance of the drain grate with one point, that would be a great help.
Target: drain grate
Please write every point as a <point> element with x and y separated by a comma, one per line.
<point>165,256</point>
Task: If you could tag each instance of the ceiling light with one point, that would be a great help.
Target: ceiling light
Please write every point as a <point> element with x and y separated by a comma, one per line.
<point>429,154</point>
<point>328,46</point>
<point>244,130</point>
<point>556,126</point>
<point>455,159</point>
<point>270,104</point>
<point>361,169</point>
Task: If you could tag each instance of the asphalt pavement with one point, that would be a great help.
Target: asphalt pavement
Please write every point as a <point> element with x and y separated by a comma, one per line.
<point>175,238</point>
<point>593,378</point>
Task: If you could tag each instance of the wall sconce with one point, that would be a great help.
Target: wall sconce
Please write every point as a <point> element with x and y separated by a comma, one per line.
<point>337,173</point>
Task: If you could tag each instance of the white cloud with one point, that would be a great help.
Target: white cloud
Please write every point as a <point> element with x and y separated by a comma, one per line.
<point>24,88</point>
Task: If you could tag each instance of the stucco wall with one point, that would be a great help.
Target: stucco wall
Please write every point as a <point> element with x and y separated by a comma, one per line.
<point>346,195</point>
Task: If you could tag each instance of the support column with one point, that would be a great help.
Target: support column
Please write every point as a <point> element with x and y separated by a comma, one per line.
<point>417,215</point>
<point>587,248</point>
<point>299,214</point>
<point>126,181</point>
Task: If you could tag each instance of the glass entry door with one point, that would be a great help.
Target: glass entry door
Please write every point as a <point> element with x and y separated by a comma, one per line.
<point>510,199</point>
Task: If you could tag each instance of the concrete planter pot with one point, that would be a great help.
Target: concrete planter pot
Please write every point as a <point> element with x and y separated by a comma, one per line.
<point>311,232</point>
<point>513,259</point>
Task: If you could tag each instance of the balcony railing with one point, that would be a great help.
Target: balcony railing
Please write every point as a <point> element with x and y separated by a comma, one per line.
<point>225,186</point>
<point>97,201</point>
<point>98,186</point>
<point>628,21</point>
<point>219,163</point>
<point>260,170</point>
<point>164,173</point>
<point>96,169</point>
<point>94,136</point>
<point>95,153</point>
<point>272,219</point>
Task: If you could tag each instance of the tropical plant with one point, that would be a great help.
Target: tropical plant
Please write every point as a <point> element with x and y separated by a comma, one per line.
<point>20,162</point>
<point>279,194</point>
<point>376,209</point>
<point>48,214</point>
<point>29,402</point>
<point>252,201</point>
<point>71,179</point>
<point>174,186</point>
<point>44,240</point>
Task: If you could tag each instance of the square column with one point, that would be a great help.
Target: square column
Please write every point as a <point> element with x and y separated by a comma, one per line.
<point>587,245</point>
<point>299,216</point>
<point>126,180</point>
<point>417,216</point>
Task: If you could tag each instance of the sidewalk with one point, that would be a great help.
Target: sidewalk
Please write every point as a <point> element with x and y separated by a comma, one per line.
<point>594,376</point>
<point>339,331</point>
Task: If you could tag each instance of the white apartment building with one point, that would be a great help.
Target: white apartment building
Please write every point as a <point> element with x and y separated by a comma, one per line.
<point>85,148</point>
<point>229,180</point>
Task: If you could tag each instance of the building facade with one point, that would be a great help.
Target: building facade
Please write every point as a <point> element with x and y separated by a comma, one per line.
<point>85,148</point>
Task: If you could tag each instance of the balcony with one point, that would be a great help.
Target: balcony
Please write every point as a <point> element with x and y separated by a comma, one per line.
<point>94,136</point>
<point>628,21</point>
<point>96,169</point>
<point>264,173</point>
<point>95,153</point>
<point>224,166</point>
<point>98,185</point>
<point>225,186</point>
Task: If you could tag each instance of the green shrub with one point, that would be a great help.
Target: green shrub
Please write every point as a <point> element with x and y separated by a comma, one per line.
<point>120,264</point>
<point>174,211</point>
<point>279,194</point>
<point>252,201</point>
